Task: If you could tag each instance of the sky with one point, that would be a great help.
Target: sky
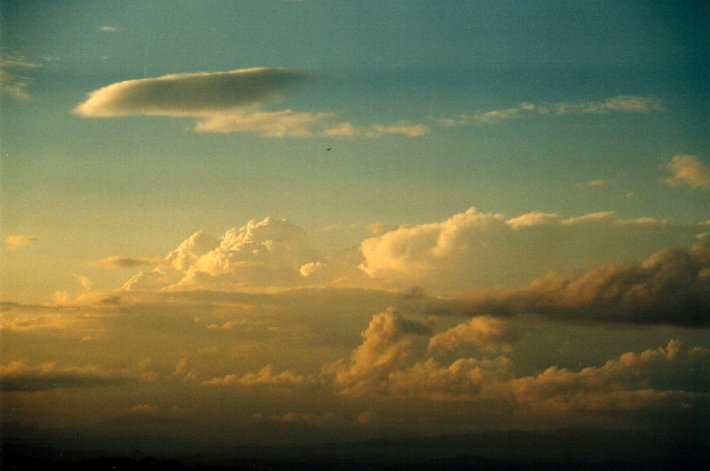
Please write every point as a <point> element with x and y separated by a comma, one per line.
<point>430,216</point>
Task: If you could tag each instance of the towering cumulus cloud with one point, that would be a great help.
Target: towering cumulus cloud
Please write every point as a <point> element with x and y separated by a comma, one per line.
<point>269,253</point>
<point>477,249</point>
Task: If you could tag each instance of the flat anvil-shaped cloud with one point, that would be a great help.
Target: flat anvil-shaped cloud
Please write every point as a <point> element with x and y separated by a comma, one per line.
<point>191,94</point>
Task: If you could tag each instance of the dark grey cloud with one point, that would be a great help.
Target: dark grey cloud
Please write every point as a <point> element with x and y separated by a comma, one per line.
<point>18,376</point>
<point>670,287</point>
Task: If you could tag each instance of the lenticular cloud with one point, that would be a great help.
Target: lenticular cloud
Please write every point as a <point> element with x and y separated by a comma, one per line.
<point>191,95</point>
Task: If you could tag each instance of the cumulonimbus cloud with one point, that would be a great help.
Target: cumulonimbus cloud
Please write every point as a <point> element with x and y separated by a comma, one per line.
<point>688,170</point>
<point>267,253</point>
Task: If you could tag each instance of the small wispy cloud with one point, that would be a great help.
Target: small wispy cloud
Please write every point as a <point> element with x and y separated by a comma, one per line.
<point>594,184</point>
<point>618,104</point>
<point>17,241</point>
<point>688,170</point>
<point>126,262</point>
<point>12,83</point>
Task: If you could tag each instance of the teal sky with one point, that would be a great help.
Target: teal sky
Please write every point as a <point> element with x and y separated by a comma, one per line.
<point>136,186</point>
<point>366,131</point>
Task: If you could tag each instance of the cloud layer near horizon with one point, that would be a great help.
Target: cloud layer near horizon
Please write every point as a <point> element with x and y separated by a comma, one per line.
<point>482,256</point>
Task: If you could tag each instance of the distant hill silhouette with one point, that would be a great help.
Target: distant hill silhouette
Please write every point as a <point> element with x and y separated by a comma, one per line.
<point>146,443</point>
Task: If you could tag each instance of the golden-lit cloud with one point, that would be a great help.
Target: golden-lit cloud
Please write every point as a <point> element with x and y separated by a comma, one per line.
<point>392,362</point>
<point>688,170</point>
<point>264,377</point>
<point>19,241</point>
<point>485,332</point>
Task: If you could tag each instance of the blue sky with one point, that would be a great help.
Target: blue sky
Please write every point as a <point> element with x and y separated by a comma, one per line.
<point>365,131</point>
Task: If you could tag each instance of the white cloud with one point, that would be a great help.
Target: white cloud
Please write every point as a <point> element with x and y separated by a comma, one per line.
<point>595,183</point>
<point>688,170</point>
<point>618,104</point>
<point>477,249</point>
<point>18,241</point>
<point>269,253</point>
<point>401,129</point>
<point>271,124</point>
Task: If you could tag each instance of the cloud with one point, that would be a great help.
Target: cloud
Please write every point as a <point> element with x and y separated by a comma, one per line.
<point>618,104</point>
<point>670,287</point>
<point>17,241</point>
<point>630,382</point>
<point>201,94</point>
<point>478,249</point>
<point>485,332</point>
<point>594,184</point>
<point>108,29</point>
<point>264,377</point>
<point>379,228</point>
<point>269,253</point>
<point>126,262</point>
<point>228,102</point>
<point>270,124</point>
<point>12,83</point>
<point>18,376</point>
<point>688,170</point>
<point>392,362</point>
<point>388,344</point>
<point>401,129</point>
